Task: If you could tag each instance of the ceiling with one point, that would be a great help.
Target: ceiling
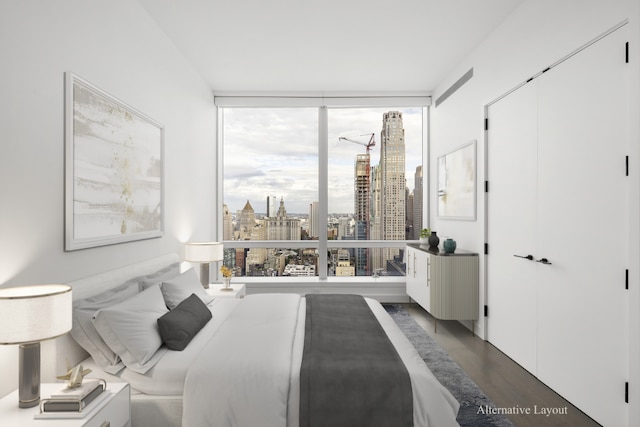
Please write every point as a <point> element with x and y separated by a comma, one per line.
<point>327,46</point>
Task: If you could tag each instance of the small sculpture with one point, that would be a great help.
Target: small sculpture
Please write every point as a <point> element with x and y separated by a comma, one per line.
<point>74,376</point>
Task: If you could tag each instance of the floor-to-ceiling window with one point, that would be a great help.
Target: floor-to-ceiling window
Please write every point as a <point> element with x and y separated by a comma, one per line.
<point>318,187</point>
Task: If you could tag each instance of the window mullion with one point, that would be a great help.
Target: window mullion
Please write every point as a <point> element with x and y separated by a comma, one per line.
<point>323,190</point>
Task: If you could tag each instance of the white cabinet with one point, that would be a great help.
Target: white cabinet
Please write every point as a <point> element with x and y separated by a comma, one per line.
<point>418,276</point>
<point>446,285</point>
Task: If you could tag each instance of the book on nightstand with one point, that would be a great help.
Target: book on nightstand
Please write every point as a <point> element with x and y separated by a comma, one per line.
<point>73,403</point>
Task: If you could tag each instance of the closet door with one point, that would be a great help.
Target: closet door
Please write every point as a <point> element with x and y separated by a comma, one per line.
<point>512,226</point>
<point>583,229</point>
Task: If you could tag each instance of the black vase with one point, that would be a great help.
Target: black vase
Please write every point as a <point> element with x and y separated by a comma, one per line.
<point>434,240</point>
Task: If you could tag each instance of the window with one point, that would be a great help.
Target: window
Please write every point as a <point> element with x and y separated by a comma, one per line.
<point>303,185</point>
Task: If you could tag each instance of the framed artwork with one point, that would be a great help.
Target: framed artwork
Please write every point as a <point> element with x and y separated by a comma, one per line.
<point>457,183</point>
<point>114,169</point>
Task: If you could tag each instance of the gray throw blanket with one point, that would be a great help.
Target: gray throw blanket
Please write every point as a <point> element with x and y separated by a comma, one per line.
<point>351,374</point>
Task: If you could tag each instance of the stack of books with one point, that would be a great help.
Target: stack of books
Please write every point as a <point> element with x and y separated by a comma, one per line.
<point>73,402</point>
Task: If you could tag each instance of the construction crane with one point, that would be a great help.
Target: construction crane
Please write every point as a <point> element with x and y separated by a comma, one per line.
<point>368,145</point>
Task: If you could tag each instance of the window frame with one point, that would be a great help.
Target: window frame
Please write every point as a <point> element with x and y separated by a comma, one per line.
<point>323,104</point>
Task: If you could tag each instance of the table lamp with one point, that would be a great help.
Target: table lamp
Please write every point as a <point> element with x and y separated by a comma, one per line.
<point>28,315</point>
<point>204,253</point>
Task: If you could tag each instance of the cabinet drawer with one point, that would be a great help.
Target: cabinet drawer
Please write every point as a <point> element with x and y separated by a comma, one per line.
<point>115,414</point>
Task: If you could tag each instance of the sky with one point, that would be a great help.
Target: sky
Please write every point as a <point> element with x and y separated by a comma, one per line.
<point>274,151</point>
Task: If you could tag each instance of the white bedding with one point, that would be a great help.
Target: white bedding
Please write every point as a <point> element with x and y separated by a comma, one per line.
<point>247,374</point>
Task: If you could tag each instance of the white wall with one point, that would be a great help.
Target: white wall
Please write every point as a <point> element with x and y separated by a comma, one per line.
<point>536,35</point>
<point>115,45</point>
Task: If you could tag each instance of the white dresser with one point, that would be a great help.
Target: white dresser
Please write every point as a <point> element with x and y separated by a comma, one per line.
<point>444,284</point>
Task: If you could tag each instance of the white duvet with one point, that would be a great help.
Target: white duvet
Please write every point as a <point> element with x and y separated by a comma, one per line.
<point>247,374</point>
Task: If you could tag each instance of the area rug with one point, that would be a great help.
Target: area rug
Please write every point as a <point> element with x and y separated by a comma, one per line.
<point>449,373</point>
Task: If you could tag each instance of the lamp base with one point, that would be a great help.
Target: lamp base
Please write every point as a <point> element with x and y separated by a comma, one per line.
<point>29,375</point>
<point>204,275</point>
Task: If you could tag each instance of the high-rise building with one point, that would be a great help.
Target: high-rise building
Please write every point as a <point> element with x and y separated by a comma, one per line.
<point>417,203</point>
<point>314,220</point>
<point>227,223</point>
<point>282,227</point>
<point>271,206</point>
<point>392,170</point>
<point>246,221</point>
<point>362,210</point>
<point>409,211</point>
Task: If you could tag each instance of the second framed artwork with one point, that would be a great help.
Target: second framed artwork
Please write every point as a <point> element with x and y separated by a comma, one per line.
<point>457,183</point>
<point>113,169</point>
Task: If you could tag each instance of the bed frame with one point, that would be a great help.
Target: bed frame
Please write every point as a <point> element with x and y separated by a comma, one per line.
<point>157,411</point>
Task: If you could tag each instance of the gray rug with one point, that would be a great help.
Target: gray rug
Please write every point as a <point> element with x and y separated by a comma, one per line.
<point>449,373</point>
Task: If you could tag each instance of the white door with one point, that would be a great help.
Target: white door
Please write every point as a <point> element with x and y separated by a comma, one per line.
<point>558,191</point>
<point>512,226</point>
<point>583,228</point>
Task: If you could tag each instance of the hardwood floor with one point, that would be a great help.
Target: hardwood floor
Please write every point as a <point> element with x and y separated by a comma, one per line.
<point>504,381</point>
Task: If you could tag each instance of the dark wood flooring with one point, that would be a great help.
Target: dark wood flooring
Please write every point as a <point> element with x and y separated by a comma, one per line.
<point>504,381</point>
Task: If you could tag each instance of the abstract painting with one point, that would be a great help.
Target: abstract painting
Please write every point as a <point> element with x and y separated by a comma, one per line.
<point>113,169</point>
<point>457,183</point>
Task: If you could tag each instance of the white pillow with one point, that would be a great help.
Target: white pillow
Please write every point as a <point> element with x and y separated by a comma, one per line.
<point>86,334</point>
<point>130,329</point>
<point>181,287</point>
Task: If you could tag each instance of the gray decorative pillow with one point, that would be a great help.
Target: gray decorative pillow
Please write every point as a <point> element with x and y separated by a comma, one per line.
<point>130,329</point>
<point>180,325</point>
<point>179,288</point>
<point>85,333</point>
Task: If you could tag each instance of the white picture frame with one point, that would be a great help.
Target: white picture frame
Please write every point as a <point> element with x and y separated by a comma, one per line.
<point>457,171</point>
<point>114,169</point>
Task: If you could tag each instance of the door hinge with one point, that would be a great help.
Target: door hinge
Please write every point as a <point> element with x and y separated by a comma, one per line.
<point>626,165</point>
<point>486,311</point>
<point>486,123</point>
<point>626,279</point>
<point>486,249</point>
<point>626,392</point>
<point>626,53</point>
<point>486,186</point>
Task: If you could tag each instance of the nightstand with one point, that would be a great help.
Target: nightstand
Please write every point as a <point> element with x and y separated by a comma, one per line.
<point>113,411</point>
<point>239,290</point>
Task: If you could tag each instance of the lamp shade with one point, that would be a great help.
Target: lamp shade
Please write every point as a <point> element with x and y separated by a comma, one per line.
<point>203,252</point>
<point>34,313</point>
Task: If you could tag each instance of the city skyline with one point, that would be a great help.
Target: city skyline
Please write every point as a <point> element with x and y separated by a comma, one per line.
<point>287,166</point>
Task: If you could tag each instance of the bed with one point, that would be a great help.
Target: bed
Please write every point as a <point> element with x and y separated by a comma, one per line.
<point>240,366</point>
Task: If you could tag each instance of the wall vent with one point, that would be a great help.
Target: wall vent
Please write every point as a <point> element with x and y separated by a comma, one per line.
<point>454,87</point>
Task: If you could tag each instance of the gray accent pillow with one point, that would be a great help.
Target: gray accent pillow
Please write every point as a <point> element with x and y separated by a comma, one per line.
<point>180,325</point>
<point>85,333</point>
<point>179,288</point>
<point>130,329</point>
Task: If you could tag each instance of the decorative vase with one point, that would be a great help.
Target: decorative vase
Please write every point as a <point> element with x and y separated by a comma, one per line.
<point>226,284</point>
<point>449,246</point>
<point>424,240</point>
<point>434,240</point>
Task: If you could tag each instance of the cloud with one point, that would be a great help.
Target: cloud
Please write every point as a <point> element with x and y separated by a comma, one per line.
<point>274,151</point>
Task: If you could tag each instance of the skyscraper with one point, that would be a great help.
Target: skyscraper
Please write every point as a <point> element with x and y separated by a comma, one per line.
<point>314,220</point>
<point>362,209</point>
<point>271,206</point>
<point>227,223</point>
<point>392,170</point>
<point>417,203</point>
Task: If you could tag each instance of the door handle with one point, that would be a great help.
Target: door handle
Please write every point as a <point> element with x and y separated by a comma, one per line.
<point>543,261</point>
<point>529,257</point>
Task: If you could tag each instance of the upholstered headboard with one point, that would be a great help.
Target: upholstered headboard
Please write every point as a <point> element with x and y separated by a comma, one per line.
<point>56,353</point>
